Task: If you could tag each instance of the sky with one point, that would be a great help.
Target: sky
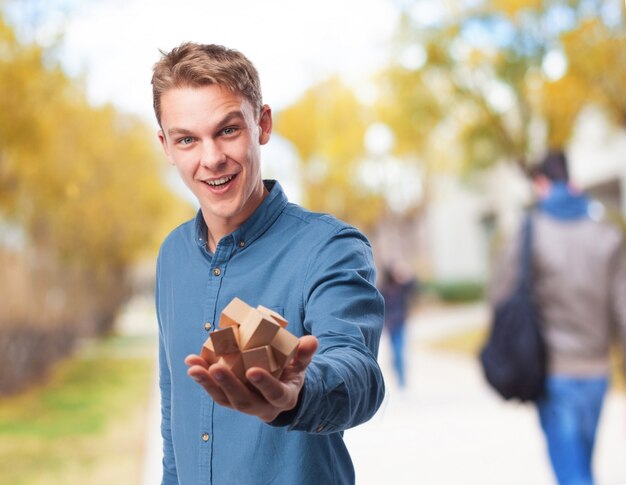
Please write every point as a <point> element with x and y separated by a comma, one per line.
<point>114,43</point>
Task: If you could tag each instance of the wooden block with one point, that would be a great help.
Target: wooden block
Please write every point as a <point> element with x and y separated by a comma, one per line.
<point>257,330</point>
<point>208,351</point>
<point>234,313</point>
<point>275,315</point>
<point>284,345</point>
<point>235,363</point>
<point>226,340</point>
<point>260,357</point>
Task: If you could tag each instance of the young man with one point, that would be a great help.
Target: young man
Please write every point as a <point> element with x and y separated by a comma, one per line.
<point>579,280</point>
<point>248,241</point>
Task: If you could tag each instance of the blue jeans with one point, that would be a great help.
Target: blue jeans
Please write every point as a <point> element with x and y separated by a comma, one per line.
<point>397,337</point>
<point>569,414</point>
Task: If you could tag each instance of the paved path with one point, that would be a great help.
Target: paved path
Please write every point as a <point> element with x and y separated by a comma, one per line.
<point>448,428</point>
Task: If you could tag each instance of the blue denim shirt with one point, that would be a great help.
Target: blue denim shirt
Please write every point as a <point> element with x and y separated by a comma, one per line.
<point>316,271</point>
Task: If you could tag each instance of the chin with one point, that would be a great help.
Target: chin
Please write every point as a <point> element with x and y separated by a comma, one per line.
<point>224,211</point>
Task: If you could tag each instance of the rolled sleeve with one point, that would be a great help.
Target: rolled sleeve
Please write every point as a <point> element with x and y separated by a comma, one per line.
<point>343,385</point>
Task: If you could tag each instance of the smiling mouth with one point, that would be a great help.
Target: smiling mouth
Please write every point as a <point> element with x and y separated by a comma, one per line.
<point>220,181</point>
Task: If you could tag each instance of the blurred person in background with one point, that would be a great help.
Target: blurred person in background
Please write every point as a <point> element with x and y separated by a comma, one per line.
<point>579,281</point>
<point>248,241</point>
<point>398,287</point>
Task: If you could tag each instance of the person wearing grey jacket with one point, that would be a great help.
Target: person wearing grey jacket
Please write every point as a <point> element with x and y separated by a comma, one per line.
<point>579,281</point>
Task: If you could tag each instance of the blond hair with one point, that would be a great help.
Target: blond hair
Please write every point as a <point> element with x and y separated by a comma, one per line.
<point>195,65</point>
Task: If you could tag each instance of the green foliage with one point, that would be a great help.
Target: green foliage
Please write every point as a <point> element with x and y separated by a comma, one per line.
<point>456,291</point>
<point>467,342</point>
<point>86,425</point>
<point>82,396</point>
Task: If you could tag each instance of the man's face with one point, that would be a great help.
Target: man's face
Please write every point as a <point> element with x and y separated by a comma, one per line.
<point>213,137</point>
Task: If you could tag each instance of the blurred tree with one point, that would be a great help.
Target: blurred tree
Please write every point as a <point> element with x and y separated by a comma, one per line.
<point>596,53</point>
<point>472,85</point>
<point>327,127</point>
<point>84,187</point>
<point>507,78</point>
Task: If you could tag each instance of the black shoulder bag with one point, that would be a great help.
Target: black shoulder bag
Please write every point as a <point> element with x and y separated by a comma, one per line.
<point>513,357</point>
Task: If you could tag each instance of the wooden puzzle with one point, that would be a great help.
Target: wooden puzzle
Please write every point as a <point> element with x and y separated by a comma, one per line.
<point>250,337</point>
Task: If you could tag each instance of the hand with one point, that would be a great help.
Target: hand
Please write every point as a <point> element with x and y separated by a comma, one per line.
<point>274,395</point>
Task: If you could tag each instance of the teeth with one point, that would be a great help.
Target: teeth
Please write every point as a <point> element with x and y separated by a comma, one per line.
<point>220,181</point>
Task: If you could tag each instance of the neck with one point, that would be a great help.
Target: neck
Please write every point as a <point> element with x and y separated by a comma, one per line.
<point>216,230</point>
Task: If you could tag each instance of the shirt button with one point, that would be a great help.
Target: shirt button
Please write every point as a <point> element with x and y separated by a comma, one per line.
<point>205,437</point>
<point>320,428</point>
<point>207,326</point>
<point>217,271</point>
<point>242,243</point>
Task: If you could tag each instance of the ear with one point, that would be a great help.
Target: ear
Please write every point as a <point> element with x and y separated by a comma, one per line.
<point>164,145</point>
<point>265,125</point>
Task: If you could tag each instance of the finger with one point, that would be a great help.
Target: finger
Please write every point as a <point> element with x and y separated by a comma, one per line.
<point>194,359</point>
<point>238,395</point>
<point>202,376</point>
<point>306,349</point>
<point>273,390</point>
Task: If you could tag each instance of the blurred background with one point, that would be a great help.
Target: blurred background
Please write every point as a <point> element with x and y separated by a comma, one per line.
<point>413,120</point>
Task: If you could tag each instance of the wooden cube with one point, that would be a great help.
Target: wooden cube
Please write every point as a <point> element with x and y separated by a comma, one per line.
<point>234,313</point>
<point>284,344</point>
<point>226,340</point>
<point>235,363</point>
<point>275,315</point>
<point>208,351</point>
<point>257,329</point>
<point>260,357</point>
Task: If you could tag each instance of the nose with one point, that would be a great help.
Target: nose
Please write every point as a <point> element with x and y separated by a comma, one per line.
<point>212,156</point>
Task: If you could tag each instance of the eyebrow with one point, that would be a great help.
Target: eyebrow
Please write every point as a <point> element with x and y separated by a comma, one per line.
<point>228,118</point>
<point>178,131</point>
<point>232,115</point>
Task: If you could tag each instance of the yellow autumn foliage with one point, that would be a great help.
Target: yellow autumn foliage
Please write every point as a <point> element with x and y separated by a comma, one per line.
<point>597,58</point>
<point>327,127</point>
<point>485,80</point>
<point>83,185</point>
<point>512,8</point>
<point>561,103</point>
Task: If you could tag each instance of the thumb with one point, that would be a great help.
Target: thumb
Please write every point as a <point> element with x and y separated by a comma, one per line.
<point>306,349</point>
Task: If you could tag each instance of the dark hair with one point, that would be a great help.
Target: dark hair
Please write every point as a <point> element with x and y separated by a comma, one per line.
<point>553,166</point>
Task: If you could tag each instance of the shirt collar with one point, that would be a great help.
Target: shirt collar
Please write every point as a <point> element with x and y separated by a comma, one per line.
<point>262,218</point>
<point>565,203</point>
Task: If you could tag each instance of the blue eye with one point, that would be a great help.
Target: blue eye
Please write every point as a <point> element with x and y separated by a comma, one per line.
<point>185,140</point>
<point>229,130</point>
